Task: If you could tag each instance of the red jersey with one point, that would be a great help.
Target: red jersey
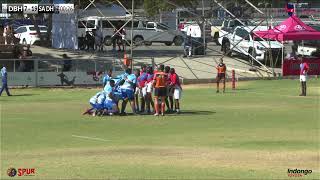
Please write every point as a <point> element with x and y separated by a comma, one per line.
<point>174,79</point>
<point>304,67</point>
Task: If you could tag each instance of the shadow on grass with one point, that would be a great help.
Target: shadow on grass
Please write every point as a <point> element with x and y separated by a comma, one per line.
<point>187,112</point>
<point>24,94</point>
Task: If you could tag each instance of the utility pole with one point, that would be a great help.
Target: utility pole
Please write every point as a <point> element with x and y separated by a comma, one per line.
<point>203,29</point>
<point>131,44</point>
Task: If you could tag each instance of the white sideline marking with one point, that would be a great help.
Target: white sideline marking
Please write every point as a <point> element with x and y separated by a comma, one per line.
<point>92,138</point>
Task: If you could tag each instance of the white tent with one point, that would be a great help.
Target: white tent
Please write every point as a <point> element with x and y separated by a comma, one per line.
<point>64,31</point>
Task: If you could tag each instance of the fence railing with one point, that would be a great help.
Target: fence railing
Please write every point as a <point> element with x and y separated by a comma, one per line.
<point>52,72</point>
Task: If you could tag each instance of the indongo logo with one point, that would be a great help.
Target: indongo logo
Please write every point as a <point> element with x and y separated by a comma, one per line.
<point>298,28</point>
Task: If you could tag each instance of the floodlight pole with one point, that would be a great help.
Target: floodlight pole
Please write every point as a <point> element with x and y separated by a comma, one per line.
<point>203,29</point>
<point>131,44</point>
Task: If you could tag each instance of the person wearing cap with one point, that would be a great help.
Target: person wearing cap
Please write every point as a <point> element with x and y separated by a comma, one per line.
<point>304,68</point>
<point>4,77</point>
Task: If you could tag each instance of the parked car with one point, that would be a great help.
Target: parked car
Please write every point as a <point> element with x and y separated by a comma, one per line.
<point>216,26</point>
<point>28,34</point>
<point>242,42</point>
<point>307,48</point>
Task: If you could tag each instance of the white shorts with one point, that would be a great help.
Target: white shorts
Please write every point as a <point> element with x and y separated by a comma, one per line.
<point>149,87</point>
<point>303,78</point>
<point>144,91</point>
<point>177,93</point>
<point>138,92</point>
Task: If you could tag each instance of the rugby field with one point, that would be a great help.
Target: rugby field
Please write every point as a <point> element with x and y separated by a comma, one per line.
<point>258,131</point>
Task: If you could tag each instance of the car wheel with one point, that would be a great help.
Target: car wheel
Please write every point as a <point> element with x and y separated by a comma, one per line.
<point>178,40</point>
<point>107,41</point>
<point>138,40</point>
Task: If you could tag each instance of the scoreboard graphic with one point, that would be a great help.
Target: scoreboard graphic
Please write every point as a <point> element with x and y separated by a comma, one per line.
<point>38,8</point>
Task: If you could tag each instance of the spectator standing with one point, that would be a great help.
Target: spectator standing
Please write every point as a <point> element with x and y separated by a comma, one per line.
<point>187,47</point>
<point>67,63</point>
<point>98,39</point>
<point>5,34</point>
<point>4,77</point>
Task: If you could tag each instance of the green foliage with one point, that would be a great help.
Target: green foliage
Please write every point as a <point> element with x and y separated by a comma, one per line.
<point>153,7</point>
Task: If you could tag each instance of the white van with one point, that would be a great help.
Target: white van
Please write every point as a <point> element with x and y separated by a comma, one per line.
<point>307,48</point>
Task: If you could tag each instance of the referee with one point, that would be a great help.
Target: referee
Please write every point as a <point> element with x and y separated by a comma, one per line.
<point>221,68</point>
<point>4,78</point>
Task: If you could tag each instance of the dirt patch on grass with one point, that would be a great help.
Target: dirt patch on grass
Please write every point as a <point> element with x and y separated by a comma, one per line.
<point>183,157</point>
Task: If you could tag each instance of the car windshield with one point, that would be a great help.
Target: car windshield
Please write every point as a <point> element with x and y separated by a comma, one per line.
<point>41,28</point>
<point>217,22</point>
<point>245,22</point>
<point>90,23</point>
<point>312,43</point>
<point>260,39</point>
<point>163,26</point>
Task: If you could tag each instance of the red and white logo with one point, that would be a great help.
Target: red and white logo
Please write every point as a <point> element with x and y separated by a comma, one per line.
<point>298,28</point>
<point>26,171</point>
<point>283,27</point>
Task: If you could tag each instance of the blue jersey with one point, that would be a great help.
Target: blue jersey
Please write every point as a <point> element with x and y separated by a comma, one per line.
<point>130,82</point>
<point>98,98</point>
<point>142,79</point>
<point>4,75</point>
<point>108,91</point>
<point>106,79</point>
<point>122,76</point>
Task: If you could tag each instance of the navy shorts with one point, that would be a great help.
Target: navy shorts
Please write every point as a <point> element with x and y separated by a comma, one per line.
<point>127,94</point>
<point>160,92</point>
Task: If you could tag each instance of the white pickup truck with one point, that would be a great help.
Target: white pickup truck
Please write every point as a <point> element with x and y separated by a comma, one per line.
<point>156,32</point>
<point>143,31</point>
<point>242,42</point>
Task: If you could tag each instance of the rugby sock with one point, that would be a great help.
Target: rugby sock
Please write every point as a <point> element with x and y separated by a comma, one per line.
<point>156,106</point>
<point>162,107</point>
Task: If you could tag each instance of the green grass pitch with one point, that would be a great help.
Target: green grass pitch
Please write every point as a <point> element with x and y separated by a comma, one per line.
<point>258,131</point>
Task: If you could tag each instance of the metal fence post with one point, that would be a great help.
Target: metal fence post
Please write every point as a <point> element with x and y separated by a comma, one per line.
<point>36,69</point>
<point>153,63</point>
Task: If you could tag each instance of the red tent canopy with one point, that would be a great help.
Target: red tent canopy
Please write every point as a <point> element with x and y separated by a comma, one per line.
<point>290,29</point>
